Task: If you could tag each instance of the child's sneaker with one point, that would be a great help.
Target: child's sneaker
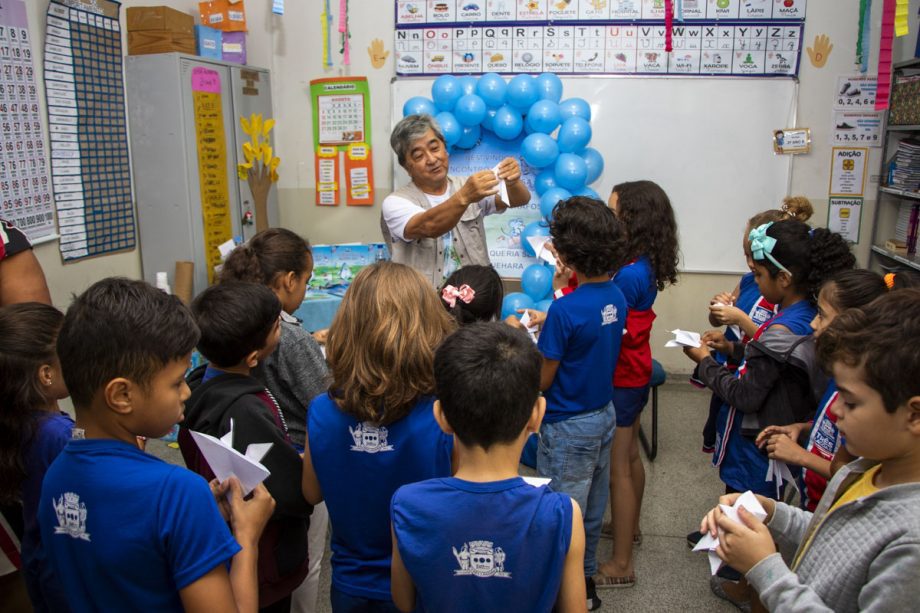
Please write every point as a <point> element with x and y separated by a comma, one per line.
<point>594,603</point>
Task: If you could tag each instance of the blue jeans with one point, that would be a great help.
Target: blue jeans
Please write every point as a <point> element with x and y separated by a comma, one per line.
<point>575,454</point>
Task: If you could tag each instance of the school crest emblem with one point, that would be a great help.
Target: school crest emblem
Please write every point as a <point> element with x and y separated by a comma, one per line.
<point>369,438</point>
<point>480,559</point>
<point>608,315</point>
<point>71,516</point>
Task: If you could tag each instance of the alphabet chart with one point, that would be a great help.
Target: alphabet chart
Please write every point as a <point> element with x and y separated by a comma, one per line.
<point>86,114</point>
<point>25,189</point>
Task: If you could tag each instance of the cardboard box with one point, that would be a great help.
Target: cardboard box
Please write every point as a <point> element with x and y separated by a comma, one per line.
<point>162,18</point>
<point>234,47</point>
<point>208,42</point>
<point>144,42</point>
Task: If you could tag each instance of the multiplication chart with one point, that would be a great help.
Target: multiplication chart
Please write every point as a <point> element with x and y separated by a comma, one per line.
<point>89,142</point>
<point>341,119</point>
<point>25,189</point>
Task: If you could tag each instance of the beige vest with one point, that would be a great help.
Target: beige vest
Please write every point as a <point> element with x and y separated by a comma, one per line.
<point>427,254</point>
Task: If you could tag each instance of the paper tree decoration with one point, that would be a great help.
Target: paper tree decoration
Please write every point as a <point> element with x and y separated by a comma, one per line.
<point>260,168</point>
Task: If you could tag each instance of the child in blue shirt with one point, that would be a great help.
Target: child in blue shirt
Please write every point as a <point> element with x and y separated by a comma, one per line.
<point>123,529</point>
<point>580,343</point>
<point>514,546</point>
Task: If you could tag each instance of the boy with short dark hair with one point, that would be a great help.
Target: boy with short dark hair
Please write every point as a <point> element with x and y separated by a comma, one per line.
<point>121,528</point>
<point>515,546</point>
<point>580,343</point>
<point>860,549</point>
<point>240,327</point>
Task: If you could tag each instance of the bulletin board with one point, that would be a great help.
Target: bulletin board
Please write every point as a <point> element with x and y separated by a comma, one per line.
<point>90,168</point>
<point>707,142</point>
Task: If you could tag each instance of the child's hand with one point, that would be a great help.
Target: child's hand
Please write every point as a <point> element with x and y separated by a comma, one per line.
<point>710,522</point>
<point>743,545</point>
<point>722,298</point>
<point>781,447</point>
<point>537,318</point>
<point>792,431</point>
<point>697,353</point>
<point>219,491</point>
<point>726,315</point>
<point>514,322</point>
<point>715,339</point>
<point>248,517</point>
<point>320,336</point>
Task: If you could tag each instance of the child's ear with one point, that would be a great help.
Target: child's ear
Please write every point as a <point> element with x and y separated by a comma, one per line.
<point>252,358</point>
<point>119,395</point>
<point>913,416</point>
<point>46,375</point>
<point>536,416</point>
<point>441,418</point>
<point>785,279</point>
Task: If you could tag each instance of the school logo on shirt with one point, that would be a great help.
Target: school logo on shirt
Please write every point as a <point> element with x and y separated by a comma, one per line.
<point>608,315</point>
<point>369,438</point>
<point>480,559</point>
<point>71,516</point>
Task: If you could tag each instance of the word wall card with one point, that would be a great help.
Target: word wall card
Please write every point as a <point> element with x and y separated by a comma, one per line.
<point>90,168</point>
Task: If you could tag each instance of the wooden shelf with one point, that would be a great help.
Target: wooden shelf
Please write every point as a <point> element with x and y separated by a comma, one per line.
<point>903,128</point>
<point>913,261</point>
<point>899,192</point>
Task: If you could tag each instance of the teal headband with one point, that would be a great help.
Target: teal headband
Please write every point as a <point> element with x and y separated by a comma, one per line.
<point>762,246</point>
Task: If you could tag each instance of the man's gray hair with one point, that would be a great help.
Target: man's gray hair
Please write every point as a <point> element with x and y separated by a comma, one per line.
<point>409,129</point>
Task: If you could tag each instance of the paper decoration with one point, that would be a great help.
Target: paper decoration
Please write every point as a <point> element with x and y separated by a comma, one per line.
<point>855,93</point>
<point>225,15</point>
<point>343,30</point>
<point>709,544</point>
<point>25,185</point>
<point>359,170</point>
<point>848,171</point>
<point>668,25</point>
<point>820,51</point>
<point>778,471</point>
<point>90,167</point>
<point>327,176</point>
<point>884,56</point>
<point>863,37</point>
<point>900,18</point>
<point>226,462</point>
<point>858,128</point>
<point>844,216</point>
<point>212,164</point>
<point>377,53</point>
<point>683,338</point>
<point>792,141</point>
<point>326,24</point>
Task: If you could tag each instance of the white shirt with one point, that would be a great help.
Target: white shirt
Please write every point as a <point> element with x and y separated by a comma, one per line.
<point>397,211</point>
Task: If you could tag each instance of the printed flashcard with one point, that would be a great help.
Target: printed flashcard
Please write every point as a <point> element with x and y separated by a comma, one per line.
<point>687,37</point>
<point>653,9</point>
<point>653,61</point>
<point>784,38</point>
<point>593,9</point>
<point>589,49</point>
<point>651,38</point>
<point>531,10</point>
<point>528,50</point>
<point>715,61</point>
<point>789,9</point>
<point>695,9</point>
<point>413,11</point>
<point>722,9</point>
<point>497,49</point>
<point>848,171</point>
<point>500,10</point>
<point>438,54</point>
<point>409,46</point>
<point>748,62</point>
<point>442,11</point>
<point>621,49</point>
<point>755,9</point>
<point>856,128</point>
<point>684,61</point>
<point>558,49</point>
<point>471,10</point>
<point>855,93</point>
<point>468,50</point>
<point>843,217</point>
<point>780,62</point>
<point>625,9</point>
<point>564,9</point>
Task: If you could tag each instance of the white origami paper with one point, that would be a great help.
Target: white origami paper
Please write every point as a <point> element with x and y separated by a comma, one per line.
<point>227,462</point>
<point>539,247</point>
<point>777,469</point>
<point>502,187</point>
<point>536,481</point>
<point>709,543</point>
<point>683,338</point>
<point>531,330</point>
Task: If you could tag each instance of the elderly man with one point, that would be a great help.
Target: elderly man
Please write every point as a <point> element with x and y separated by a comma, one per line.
<point>435,223</point>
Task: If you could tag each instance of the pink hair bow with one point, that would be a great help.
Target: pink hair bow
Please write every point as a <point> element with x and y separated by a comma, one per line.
<point>450,294</point>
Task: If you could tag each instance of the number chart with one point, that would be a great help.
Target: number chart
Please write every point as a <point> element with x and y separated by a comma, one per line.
<point>25,188</point>
<point>90,168</point>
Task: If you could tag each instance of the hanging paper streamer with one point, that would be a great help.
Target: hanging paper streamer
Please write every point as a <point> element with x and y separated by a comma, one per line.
<point>863,40</point>
<point>900,18</point>
<point>278,7</point>
<point>343,30</point>
<point>884,56</point>
<point>668,25</point>
<point>326,20</point>
<point>680,10</point>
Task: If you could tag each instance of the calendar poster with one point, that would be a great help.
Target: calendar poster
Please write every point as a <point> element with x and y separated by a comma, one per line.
<point>25,187</point>
<point>90,169</point>
<point>341,127</point>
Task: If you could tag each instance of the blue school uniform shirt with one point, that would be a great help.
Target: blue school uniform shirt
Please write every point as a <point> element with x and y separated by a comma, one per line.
<point>51,434</point>
<point>496,546</point>
<point>359,466</point>
<point>751,302</point>
<point>125,530</point>
<point>583,331</point>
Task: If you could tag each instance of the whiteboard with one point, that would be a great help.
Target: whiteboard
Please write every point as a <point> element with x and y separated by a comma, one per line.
<point>706,141</point>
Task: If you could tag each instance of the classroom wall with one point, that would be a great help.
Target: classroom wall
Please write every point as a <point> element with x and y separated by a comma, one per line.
<point>290,46</point>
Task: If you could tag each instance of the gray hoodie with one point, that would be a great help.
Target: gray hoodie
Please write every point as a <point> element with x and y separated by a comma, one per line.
<point>865,556</point>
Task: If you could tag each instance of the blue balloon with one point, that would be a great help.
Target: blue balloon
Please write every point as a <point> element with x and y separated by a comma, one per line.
<point>537,281</point>
<point>467,85</point>
<point>534,228</point>
<point>551,198</point>
<point>469,138</point>
<point>492,88</point>
<point>543,116</point>
<point>539,150</point>
<point>419,105</point>
<point>543,305</point>
<point>445,91</point>
<point>587,192</point>
<point>574,135</point>
<point>544,181</point>
<point>549,86</point>
<point>514,301</point>
<point>571,171</point>
<point>470,110</point>
<point>522,92</point>
<point>507,123</point>
<point>574,107</point>
<point>450,128</point>
<point>489,120</point>
<point>595,163</point>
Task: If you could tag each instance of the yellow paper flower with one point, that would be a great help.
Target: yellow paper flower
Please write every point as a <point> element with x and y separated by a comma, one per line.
<point>258,150</point>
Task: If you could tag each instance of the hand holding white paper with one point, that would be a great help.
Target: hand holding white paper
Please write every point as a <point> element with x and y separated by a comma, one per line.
<point>539,247</point>
<point>683,338</point>
<point>227,462</point>
<point>531,330</point>
<point>709,543</point>
<point>502,186</point>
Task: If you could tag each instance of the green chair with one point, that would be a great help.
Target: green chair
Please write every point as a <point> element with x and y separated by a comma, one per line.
<point>659,376</point>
